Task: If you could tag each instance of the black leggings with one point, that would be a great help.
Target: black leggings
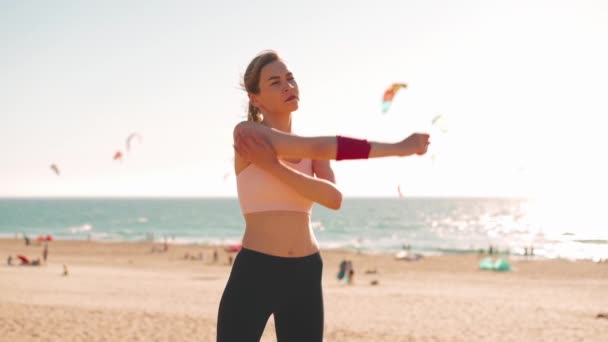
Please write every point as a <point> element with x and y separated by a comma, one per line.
<point>261,285</point>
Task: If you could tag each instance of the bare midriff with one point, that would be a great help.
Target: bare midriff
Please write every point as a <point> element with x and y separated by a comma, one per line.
<point>280,233</point>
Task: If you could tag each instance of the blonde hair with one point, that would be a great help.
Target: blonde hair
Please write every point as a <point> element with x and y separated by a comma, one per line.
<point>251,80</point>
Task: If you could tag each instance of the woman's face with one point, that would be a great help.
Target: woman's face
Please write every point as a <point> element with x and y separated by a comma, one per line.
<point>278,89</point>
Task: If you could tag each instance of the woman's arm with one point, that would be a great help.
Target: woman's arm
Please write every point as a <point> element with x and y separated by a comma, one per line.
<point>322,169</point>
<point>286,145</point>
<point>261,153</point>
<point>317,190</point>
<point>326,147</point>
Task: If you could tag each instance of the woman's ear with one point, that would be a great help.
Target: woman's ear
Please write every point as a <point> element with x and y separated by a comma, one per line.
<point>253,100</point>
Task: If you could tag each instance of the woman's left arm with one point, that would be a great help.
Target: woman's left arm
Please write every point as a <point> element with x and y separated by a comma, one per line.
<point>322,169</point>
<point>321,190</point>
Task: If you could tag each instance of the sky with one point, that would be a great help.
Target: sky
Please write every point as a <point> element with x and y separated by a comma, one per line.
<point>521,85</point>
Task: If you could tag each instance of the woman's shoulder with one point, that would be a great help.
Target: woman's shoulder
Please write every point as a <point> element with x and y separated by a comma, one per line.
<point>245,125</point>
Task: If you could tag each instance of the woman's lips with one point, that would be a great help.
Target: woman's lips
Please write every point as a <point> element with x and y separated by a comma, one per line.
<point>291,98</point>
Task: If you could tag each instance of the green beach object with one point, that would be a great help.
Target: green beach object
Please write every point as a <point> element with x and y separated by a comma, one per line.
<point>502,265</point>
<point>486,264</point>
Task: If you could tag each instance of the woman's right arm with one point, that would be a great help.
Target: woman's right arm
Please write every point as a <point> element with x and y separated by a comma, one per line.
<point>324,147</point>
<point>287,145</point>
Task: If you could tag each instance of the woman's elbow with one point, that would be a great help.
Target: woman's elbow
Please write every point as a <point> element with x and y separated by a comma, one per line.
<point>336,201</point>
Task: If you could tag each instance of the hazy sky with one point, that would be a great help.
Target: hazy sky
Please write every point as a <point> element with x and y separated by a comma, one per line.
<point>522,86</point>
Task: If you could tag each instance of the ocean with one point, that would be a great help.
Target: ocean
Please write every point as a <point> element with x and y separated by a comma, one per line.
<point>370,225</point>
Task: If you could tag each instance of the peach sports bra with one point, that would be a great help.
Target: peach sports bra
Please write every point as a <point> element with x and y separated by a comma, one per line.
<point>260,191</point>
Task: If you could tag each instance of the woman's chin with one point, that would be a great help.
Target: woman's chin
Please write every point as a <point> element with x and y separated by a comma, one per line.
<point>292,106</point>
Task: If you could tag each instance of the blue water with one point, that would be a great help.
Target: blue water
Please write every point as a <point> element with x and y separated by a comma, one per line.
<point>428,225</point>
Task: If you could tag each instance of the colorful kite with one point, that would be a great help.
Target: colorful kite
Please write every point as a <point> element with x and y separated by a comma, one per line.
<point>389,94</point>
<point>117,156</point>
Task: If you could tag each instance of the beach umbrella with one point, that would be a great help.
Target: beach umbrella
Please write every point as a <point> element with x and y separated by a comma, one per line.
<point>23,259</point>
<point>49,237</point>
<point>234,248</point>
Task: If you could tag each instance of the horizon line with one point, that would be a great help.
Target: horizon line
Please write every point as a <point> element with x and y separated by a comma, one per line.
<point>235,197</point>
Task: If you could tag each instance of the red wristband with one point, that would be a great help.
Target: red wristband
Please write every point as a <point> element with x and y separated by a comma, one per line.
<point>350,148</point>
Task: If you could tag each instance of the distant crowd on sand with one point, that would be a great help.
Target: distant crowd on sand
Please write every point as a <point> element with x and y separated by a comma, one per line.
<point>231,250</point>
<point>24,260</point>
<point>346,272</point>
<point>200,257</point>
<point>493,250</point>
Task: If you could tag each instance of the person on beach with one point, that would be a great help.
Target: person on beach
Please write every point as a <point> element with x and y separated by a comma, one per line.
<point>341,270</point>
<point>45,252</point>
<point>350,271</point>
<point>279,177</point>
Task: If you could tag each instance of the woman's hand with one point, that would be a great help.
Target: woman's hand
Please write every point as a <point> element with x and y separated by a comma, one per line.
<point>256,149</point>
<point>417,143</point>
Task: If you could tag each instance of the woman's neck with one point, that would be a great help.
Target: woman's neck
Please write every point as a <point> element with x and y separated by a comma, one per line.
<point>282,123</point>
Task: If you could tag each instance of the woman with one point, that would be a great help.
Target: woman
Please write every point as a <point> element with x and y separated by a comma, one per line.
<point>279,177</point>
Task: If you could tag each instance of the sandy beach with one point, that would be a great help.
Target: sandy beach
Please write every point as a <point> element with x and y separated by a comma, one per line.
<point>127,292</point>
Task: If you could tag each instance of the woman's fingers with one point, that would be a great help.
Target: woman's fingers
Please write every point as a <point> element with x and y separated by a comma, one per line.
<point>246,140</point>
<point>238,150</point>
<point>254,141</point>
<point>246,144</point>
<point>242,146</point>
<point>261,143</point>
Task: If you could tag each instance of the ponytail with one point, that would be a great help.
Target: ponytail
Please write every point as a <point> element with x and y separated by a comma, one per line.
<point>253,114</point>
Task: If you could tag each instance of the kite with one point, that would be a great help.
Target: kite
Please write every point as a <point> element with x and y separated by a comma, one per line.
<point>118,156</point>
<point>55,169</point>
<point>389,94</point>
<point>440,122</point>
<point>227,175</point>
<point>131,137</point>
<point>399,190</point>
